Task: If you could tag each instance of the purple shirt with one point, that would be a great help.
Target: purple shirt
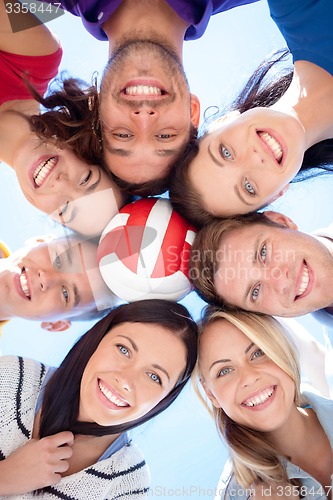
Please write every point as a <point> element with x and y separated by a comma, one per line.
<point>197,13</point>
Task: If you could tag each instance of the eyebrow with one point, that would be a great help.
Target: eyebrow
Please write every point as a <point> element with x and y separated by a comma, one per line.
<point>135,347</point>
<point>228,360</point>
<point>93,186</point>
<point>215,160</point>
<point>127,153</point>
<point>77,297</point>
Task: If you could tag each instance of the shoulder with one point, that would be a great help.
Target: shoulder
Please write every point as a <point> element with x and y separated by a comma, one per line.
<point>227,487</point>
<point>323,407</point>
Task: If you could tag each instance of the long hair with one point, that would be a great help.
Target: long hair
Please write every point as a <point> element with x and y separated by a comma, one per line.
<point>257,92</point>
<point>71,119</point>
<point>253,457</point>
<point>60,406</point>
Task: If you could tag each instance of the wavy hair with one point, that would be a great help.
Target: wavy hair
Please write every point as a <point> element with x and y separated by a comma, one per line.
<point>71,119</point>
<point>253,457</point>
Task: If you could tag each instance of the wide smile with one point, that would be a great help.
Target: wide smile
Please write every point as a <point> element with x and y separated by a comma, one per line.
<point>113,397</point>
<point>273,145</point>
<point>42,171</point>
<point>24,287</point>
<point>260,398</point>
<point>303,281</point>
<point>147,90</point>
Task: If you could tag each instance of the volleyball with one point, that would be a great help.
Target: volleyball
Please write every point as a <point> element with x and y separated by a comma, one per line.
<point>144,252</point>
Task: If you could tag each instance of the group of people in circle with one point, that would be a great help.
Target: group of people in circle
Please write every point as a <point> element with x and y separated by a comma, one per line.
<point>89,152</point>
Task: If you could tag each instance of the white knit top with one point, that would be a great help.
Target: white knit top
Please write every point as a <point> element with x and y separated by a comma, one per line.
<point>124,475</point>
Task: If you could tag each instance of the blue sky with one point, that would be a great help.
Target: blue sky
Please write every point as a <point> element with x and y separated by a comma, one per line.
<point>181,446</point>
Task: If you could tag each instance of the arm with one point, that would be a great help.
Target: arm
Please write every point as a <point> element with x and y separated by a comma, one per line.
<point>36,464</point>
<point>35,41</point>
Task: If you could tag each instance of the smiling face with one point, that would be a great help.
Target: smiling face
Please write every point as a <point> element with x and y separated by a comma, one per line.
<point>247,161</point>
<point>239,378</point>
<point>58,183</point>
<point>134,367</point>
<point>49,281</point>
<point>145,111</point>
<point>274,270</point>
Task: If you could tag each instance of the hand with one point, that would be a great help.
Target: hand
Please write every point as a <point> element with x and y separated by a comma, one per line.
<point>36,464</point>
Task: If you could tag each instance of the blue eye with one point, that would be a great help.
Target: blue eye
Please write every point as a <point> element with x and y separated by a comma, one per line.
<point>65,294</point>
<point>57,262</point>
<point>155,378</point>
<point>225,153</point>
<point>224,372</point>
<point>258,353</point>
<point>249,188</point>
<point>123,350</point>
<point>263,252</point>
<point>64,209</point>
<point>255,293</point>
<point>86,179</point>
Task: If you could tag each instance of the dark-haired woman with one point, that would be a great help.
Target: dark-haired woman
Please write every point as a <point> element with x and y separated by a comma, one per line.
<point>63,431</point>
<point>54,170</point>
<point>247,158</point>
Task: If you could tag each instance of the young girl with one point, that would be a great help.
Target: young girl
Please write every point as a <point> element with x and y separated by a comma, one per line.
<point>247,158</point>
<point>63,431</point>
<point>54,173</point>
<point>280,442</point>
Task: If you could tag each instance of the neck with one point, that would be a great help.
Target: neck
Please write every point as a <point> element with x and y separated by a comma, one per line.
<point>310,99</point>
<point>145,15</point>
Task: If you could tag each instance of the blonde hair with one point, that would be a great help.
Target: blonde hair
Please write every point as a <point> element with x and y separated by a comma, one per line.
<point>253,458</point>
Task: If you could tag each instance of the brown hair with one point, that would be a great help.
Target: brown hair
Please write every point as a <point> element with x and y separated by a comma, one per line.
<point>71,119</point>
<point>204,261</point>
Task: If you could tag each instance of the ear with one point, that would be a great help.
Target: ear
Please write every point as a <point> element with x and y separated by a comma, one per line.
<point>56,326</point>
<point>195,110</point>
<point>281,219</point>
<point>210,395</point>
<point>280,193</point>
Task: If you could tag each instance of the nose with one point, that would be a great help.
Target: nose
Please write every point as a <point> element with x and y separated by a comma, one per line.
<point>249,375</point>
<point>46,280</point>
<point>145,115</point>
<point>123,380</point>
<point>280,278</point>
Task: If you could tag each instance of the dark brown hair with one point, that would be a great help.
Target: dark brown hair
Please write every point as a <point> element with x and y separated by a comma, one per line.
<point>60,406</point>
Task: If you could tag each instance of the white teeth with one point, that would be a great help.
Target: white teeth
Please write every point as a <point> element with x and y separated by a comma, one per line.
<point>273,145</point>
<point>111,397</point>
<point>304,282</point>
<point>43,170</point>
<point>143,90</point>
<point>24,284</point>
<point>260,399</point>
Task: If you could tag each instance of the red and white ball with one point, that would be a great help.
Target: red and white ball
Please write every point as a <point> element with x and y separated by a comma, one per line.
<point>144,252</point>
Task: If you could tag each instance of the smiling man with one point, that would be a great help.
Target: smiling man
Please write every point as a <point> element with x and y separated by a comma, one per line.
<point>53,280</point>
<point>147,112</point>
<point>262,263</point>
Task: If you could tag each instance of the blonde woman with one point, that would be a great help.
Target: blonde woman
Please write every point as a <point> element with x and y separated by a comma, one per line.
<point>279,440</point>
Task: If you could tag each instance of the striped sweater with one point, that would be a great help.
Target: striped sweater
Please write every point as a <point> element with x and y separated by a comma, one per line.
<point>124,475</point>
